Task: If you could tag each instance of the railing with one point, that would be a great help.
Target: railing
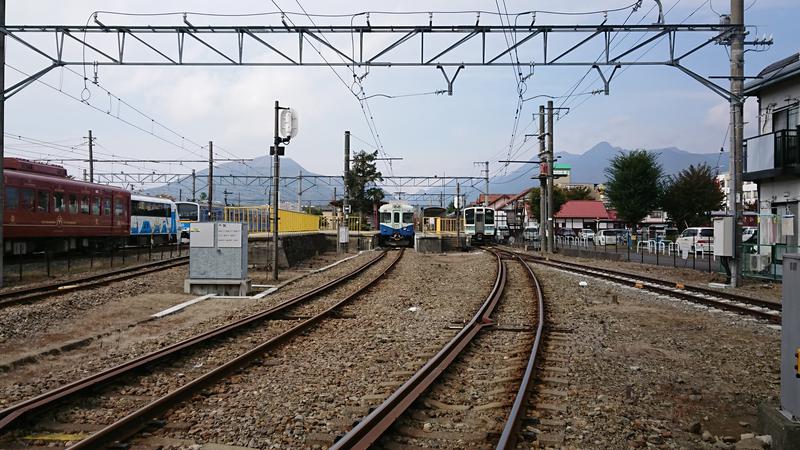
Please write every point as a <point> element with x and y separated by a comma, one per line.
<point>258,219</point>
<point>777,150</point>
<point>445,225</point>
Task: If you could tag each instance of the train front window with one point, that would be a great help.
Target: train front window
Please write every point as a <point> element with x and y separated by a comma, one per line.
<point>42,201</point>
<point>396,217</point>
<point>26,200</point>
<point>408,217</point>
<point>58,200</point>
<point>187,212</point>
<point>12,198</point>
<point>469,216</point>
<point>489,217</point>
<point>386,217</point>
<point>73,204</point>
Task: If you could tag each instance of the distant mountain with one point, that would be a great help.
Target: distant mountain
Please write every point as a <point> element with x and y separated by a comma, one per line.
<point>252,191</point>
<point>589,167</point>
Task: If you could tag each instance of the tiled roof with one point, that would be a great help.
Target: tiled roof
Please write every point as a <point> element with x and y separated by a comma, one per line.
<point>585,209</point>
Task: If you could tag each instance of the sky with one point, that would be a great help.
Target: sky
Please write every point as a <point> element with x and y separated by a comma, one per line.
<point>173,112</point>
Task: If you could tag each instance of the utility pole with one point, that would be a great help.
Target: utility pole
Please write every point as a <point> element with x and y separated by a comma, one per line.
<point>542,185</point>
<point>737,136</point>
<point>91,157</point>
<point>194,186</point>
<point>300,192</point>
<point>2,125</point>
<point>210,179</point>
<point>550,180</point>
<point>485,172</point>
<point>457,204</point>
<point>346,199</point>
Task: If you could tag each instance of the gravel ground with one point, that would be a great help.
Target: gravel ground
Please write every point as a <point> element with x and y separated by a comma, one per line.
<point>49,324</point>
<point>117,401</point>
<point>469,404</point>
<point>315,388</point>
<point>653,372</point>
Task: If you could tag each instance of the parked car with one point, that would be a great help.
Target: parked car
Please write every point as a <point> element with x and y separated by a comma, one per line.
<point>696,239</point>
<point>503,233</point>
<point>567,232</point>
<point>608,237</point>
<point>531,233</point>
<point>586,233</point>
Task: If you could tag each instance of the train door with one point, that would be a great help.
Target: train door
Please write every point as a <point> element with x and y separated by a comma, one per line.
<point>479,224</point>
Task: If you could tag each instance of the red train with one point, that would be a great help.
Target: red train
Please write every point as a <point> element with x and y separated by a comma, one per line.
<point>46,210</point>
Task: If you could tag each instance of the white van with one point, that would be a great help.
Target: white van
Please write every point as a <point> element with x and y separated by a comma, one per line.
<point>696,239</point>
<point>608,237</point>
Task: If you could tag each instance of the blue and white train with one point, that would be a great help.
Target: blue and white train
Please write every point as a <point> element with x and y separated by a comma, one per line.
<point>396,224</point>
<point>193,212</point>
<point>153,220</point>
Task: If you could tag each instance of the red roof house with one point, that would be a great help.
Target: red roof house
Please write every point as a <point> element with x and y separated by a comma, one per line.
<point>586,214</point>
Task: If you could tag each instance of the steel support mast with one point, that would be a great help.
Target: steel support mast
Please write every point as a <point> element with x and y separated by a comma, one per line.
<point>2,138</point>
<point>276,166</point>
<point>550,180</point>
<point>542,185</point>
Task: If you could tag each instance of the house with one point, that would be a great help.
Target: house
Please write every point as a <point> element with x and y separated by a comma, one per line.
<point>772,158</point>
<point>509,209</point>
<point>749,190</point>
<point>579,214</point>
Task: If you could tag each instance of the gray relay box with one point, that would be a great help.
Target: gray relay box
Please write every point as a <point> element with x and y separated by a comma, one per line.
<point>218,259</point>
<point>790,336</point>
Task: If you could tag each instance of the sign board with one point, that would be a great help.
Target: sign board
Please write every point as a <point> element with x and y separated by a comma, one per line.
<point>287,123</point>
<point>229,235</point>
<point>558,171</point>
<point>544,169</point>
<point>787,225</point>
<point>344,234</point>
<point>201,235</point>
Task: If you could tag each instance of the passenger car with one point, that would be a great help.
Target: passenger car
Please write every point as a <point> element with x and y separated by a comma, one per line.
<point>608,237</point>
<point>530,233</point>
<point>696,239</point>
<point>586,233</point>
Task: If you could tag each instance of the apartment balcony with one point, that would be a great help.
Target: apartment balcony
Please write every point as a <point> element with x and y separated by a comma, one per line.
<point>771,155</point>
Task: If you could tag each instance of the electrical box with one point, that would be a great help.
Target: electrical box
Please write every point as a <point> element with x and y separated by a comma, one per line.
<point>790,336</point>
<point>723,236</point>
<point>218,259</point>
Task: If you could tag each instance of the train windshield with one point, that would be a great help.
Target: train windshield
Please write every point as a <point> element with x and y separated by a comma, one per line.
<point>187,211</point>
<point>489,217</point>
<point>469,216</point>
<point>397,217</point>
<point>408,217</point>
<point>386,217</point>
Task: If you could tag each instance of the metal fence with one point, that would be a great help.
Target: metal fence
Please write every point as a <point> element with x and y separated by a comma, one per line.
<point>758,261</point>
<point>258,219</point>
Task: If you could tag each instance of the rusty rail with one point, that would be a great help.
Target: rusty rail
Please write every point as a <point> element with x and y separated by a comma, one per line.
<point>12,414</point>
<point>131,424</point>
<point>372,427</point>
<point>508,439</point>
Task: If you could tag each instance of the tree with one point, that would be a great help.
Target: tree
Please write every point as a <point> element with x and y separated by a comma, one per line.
<point>690,196</point>
<point>579,193</point>
<point>559,198</point>
<point>361,182</point>
<point>634,184</point>
<point>203,196</point>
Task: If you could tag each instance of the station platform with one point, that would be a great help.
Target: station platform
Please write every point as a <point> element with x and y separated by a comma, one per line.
<point>295,247</point>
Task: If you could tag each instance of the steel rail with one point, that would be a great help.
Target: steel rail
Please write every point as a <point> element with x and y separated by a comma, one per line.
<point>372,427</point>
<point>722,302</point>
<point>705,291</point>
<point>12,414</point>
<point>508,438</point>
<point>27,295</point>
<point>131,424</point>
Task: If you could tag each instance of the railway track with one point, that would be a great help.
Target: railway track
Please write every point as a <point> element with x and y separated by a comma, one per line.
<point>103,417</point>
<point>761,309</point>
<point>42,291</point>
<point>478,373</point>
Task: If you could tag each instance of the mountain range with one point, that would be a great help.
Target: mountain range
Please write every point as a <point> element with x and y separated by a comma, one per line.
<point>587,167</point>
